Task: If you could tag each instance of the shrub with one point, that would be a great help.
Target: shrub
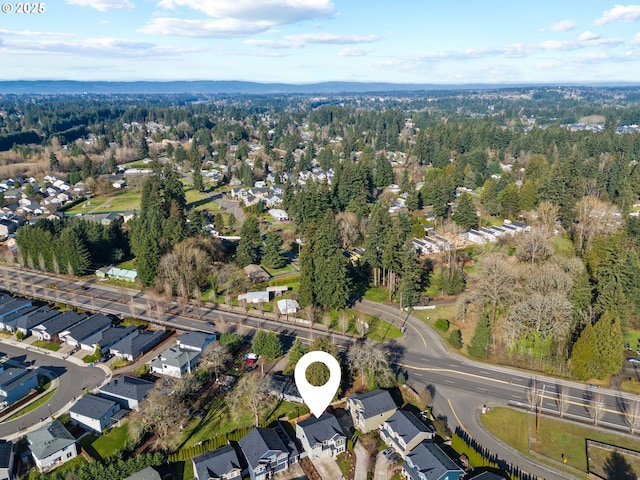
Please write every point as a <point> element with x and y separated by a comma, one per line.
<point>455,339</point>
<point>442,324</point>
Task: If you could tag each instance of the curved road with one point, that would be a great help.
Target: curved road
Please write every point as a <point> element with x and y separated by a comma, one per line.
<point>460,385</point>
<point>73,380</point>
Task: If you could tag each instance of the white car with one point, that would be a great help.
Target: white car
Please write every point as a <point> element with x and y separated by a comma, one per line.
<point>386,453</point>
<point>634,360</point>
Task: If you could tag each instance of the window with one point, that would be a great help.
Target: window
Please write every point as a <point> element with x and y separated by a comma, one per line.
<point>69,455</point>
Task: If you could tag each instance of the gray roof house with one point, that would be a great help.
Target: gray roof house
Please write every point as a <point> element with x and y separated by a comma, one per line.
<point>219,464</point>
<point>50,329</point>
<point>136,344</point>
<point>6,460</point>
<point>13,318</point>
<point>427,461</point>
<point>266,452</point>
<point>284,387</point>
<point>195,341</point>
<point>89,326</point>
<point>9,305</point>
<point>27,322</point>
<point>321,437</point>
<point>15,383</point>
<point>174,362</point>
<point>369,410</point>
<point>106,338</point>
<point>127,391</point>
<point>93,412</point>
<point>403,431</point>
<point>51,445</point>
<point>148,473</point>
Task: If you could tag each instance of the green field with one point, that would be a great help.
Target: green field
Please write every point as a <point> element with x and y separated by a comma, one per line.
<point>554,438</point>
<point>121,201</point>
<point>200,200</point>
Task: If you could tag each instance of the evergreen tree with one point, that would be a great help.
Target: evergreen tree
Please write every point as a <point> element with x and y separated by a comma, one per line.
<point>599,351</point>
<point>455,338</point>
<point>54,163</point>
<point>405,184</point>
<point>374,242</point>
<point>272,254</point>
<point>306,295</point>
<point>297,350</point>
<point>465,214</point>
<point>479,346</point>
<point>383,172</point>
<point>112,165</point>
<point>143,149</point>
<point>198,183</point>
<point>410,287</point>
<point>247,251</point>
<point>267,344</point>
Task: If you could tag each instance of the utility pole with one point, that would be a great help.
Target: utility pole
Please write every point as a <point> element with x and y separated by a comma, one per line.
<point>540,408</point>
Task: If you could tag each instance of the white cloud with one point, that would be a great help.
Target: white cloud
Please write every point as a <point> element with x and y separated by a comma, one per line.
<point>636,39</point>
<point>276,11</point>
<point>213,28</point>
<point>563,26</point>
<point>29,33</point>
<point>304,39</point>
<point>104,5</point>
<point>354,52</point>
<point>586,36</point>
<point>620,13</point>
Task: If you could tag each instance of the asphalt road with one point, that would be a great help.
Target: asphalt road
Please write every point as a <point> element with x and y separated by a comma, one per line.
<point>73,379</point>
<point>459,386</point>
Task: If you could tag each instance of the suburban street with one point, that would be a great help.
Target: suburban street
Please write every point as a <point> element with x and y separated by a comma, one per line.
<point>459,386</point>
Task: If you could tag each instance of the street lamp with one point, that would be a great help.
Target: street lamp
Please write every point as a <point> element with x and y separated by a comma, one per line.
<point>49,405</point>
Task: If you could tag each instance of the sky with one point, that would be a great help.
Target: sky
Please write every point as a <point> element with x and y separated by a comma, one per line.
<point>309,41</point>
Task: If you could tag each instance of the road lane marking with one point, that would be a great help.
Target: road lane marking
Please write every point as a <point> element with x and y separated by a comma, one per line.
<point>449,370</point>
<point>482,389</point>
<point>450,381</point>
<point>456,417</point>
<point>419,374</point>
<point>421,336</point>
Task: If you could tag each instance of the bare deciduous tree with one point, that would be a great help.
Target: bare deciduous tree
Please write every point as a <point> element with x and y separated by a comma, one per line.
<point>594,217</point>
<point>348,228</point>
<point>632,414</point>
<point>495,283</point>
<point>562,399</point>
<point>532,393</point>
<point>370,359</point>
<point>251,392</point>
<point>216,356</point>
<point>534,246</point>
<point>595,406</point>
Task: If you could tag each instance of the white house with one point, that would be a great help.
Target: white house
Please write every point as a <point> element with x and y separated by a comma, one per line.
<point>51,445</point>
<point>279,215</point>
<point>288,307</point>
<point>174,362</point>
<point>321,437</point>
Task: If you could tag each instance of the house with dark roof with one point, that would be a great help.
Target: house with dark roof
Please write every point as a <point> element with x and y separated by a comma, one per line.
<point>10,305</point>
<point>136,344</point>
<point>220,464</point>
<point>89,326</point>
<point>6,460</point>
<point>148,473</point>
<point>27,322</point>
<point>403,431</point>
<point>321,437</point>
<point>127,391</point>
<point>15,383</point>
<point>195,341</point>
<point>267,451</point>
<point>284,387</point>
<point>369,410</point>
<point>13,318</point>
<point>50,329</point>
<point>51,445</point>
<point>93,412</point>
<point>427,461</point>
<point>106,338</point>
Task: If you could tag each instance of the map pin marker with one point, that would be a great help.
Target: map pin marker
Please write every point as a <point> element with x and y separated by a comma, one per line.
<point>317,398</point>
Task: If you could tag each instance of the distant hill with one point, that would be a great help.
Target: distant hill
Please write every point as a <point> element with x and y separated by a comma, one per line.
<point>220,87</point>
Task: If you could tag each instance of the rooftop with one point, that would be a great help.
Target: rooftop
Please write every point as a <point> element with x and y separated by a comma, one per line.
<point>92,407</point>
<point>128,387</point>
<point>49,439</point>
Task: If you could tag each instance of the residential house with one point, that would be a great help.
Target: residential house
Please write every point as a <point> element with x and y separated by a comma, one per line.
<point>117,273</point>
<point>105,219</point>
<point>88,327</point>
<point>31,320</point>
<point>7,227</point>
<point>369,410</point>
<point>288,306</point>
<point>148,473</point>
<point>284,387</point>
<point>195,341</point>
<point>127,391</point>
<point>106,338</point>
<point>220,464</point>
<point>427,461</point>
<point>51,445</point>
<point>279,215</point>
<point>15,383</point>
<point>278,290</point>
<point>13,318</point>
<point>136,344</point>
<point>6,460</point>
<point>321,437</point>
<point>50,329</point>
<point>403,431</point>
<point>267,451</point>
<point>93,412</point>
<point>254,297</point>
<point>174,362</point>
<point>256,273</point>
<point>10,305</point>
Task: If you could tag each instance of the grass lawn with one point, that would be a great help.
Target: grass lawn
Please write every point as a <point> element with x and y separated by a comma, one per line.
<point>182,470</point>
<point>53,346</point>
<point>200,200</point>
<point>377,294</point>
<point>344,463</point>
<point>89,359</point>
<point>633,339</point>
<point>129,264</point>
<point>32,406</point>
<point>120,201</point>
<point>555,437</point>
<point>630,386</point>
<point>112,442</point>
<point>563,246</point>
<point>274,272</point>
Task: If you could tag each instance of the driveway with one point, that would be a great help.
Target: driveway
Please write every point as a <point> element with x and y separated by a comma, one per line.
<point>382,467</point>
<point>233,207</point>
<point>327,468</point>
<point>362,462</point>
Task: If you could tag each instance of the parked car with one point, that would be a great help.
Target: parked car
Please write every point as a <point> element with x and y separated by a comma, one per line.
<point>634,360</point>
<point>388,452</point>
